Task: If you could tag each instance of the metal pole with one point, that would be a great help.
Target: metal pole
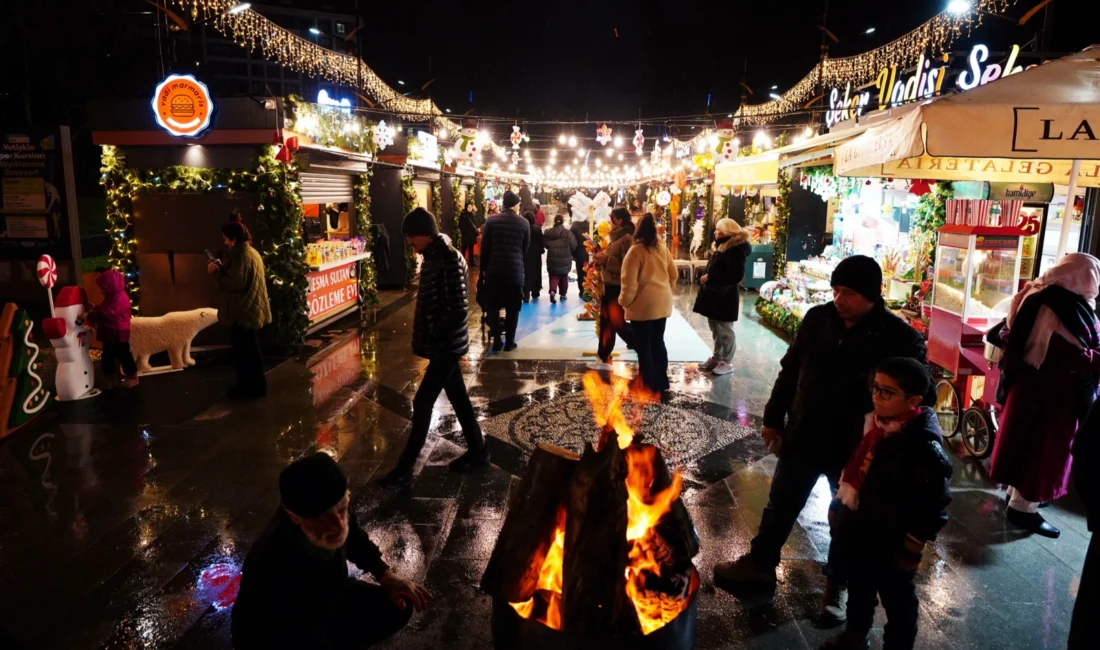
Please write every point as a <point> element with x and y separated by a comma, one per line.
<point>1067,214</point>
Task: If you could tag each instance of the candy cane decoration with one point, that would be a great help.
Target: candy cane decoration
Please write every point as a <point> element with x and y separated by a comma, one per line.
<point>47,276</point>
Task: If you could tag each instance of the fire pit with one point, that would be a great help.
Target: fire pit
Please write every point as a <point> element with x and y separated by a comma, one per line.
<point>596,550</point>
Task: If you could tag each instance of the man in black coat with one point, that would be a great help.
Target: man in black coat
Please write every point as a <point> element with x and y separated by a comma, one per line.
<point>580,253</point>
<point>439,335</point>
<point>504,242</point>
<point>1084,631</point>
<point>814,418</point>
<point>295,590</point>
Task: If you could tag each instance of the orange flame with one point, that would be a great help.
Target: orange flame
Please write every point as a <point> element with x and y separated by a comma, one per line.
<point>549,581</point>
<point>607,404</point>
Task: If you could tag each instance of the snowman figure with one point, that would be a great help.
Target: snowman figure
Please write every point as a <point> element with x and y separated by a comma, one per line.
<point>724,150</point>
<point>70,337</point>
<point>467,146</point>
<point>697,236</point>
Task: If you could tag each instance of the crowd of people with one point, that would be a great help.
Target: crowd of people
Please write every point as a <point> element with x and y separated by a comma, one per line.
<point>853,401</point>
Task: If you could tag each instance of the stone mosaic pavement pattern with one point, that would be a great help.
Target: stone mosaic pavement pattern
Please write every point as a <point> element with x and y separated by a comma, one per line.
<point>127,532</point>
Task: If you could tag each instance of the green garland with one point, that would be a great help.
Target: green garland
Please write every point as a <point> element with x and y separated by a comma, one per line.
<point>278,224</point>
<point>408,202</point>
<point>778,317</point>
<point>479,197</point>
<point>368,271</point>
<point>330,126</point>
<point>456,209</point>
<point>437,201</point>
<point>782,224</point>
<point>725,209</point>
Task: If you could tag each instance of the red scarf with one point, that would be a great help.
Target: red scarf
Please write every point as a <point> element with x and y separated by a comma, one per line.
<point>876,430</point>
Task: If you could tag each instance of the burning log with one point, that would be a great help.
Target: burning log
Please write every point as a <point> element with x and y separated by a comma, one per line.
<point>676,527</point>
<point>595,604</point>
<point>529,528</point>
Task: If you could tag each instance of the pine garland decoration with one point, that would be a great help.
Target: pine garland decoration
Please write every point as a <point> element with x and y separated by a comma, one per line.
<point>408,202</point>
<point>782,224</point>
<point>437,201</point>
<point>456,210</point>
<point>368,273</point>
<point>931,213</point>
<point>778,317</point>
<point>479,197</point>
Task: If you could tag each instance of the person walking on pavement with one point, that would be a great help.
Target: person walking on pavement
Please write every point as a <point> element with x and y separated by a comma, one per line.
<point>814,418</point>
<point>1051,355</point>
<point>610,263</point>
<point>719,297</point>
<point>247,308</point>
<point>580,253</point>
<point>440,336</point>
<point>467,226</point>
<point>646,295</point>
<point>1084,630</point>
<point>540,216</point>
<point>505,239</point>
<point>560,246</point>
<point>532,263</point>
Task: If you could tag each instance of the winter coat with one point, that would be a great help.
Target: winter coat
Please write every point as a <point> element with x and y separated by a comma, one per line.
<point>720,297</point>
<point>821,395</point>
<point>244,283</point>
<point>540,218</point>
<point>112,316</point>
<point>580,232</point>
<point>1086,466</point>
<point>648,275</point>
<point>906,489</point>
<point>560,246</point>
<point>467,227</point>
<point>612,267</point>
<point>532,270</point>
<point>504,242</point>
<point>289,588</point>
<point>439,324</point>
<point>380,249</point>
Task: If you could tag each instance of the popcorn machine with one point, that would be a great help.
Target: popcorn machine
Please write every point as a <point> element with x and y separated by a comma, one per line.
<point>977,272</point>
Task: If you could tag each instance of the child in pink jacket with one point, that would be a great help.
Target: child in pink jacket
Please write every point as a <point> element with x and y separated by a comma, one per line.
<point>111,319</point>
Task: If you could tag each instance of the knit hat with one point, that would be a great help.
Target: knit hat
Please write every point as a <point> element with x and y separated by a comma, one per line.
<point>419,222</point>
<point>510,200</point>
<point>310,486</point>
<point>860,274</point>
<point>727,227</point>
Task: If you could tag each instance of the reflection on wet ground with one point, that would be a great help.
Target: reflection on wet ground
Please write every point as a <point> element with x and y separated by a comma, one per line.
<point>126,526</point>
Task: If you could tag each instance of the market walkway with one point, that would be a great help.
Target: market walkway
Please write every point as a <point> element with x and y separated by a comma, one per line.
<point>130,532</point>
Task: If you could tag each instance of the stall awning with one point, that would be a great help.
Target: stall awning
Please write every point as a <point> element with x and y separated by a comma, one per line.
<point>762,169</point>
<point>1048,113</point>
<point>1003,170</point>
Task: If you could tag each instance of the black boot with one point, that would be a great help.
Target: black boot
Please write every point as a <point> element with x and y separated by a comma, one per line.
<point>399,478</point>
<point>471,459</point>
<point>1032,522</point>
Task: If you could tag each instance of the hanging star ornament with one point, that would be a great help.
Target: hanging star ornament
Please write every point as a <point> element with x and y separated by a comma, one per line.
<point>603,134</point>
<point>516,137</point>
<point>639,142</point>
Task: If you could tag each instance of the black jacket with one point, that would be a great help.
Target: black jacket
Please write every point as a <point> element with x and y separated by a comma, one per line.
<point>380,247</point>
<point>561,246</point>
<point>720,297</point>
<point>504,242</point>
<point>821,394</point>
<point>580,232</point>
<point>906,488</point>
<point>439,325</point>
<point>1086,465</point>
<point>532,271</point>
<point>289,588</point>
<point>467,227</point>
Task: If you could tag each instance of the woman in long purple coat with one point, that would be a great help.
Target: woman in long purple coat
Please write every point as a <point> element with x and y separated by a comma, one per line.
<point>1051,359</point>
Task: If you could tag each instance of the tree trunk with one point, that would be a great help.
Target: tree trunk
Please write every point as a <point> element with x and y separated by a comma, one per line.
<point>594,600</point>
<point>528,531</point>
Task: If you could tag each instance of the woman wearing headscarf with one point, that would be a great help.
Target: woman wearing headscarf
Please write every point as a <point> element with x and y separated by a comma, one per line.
<point>532,261</point>
<point>1051,353</point>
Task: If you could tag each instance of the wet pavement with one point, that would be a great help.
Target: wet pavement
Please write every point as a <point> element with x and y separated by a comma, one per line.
<point>125,525</point>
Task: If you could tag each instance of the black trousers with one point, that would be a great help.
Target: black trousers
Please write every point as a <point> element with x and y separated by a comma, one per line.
<point>508,297</point>
<point>873,575</point>
<point>468,250</point>
<point>248,361</point>
<point>612,322</point>
<point>118,354</point>
<point>649,343</point>
<point>443,375</point>
<point>1084,631</point>
<point>580,279</point>
<point>796,474</point>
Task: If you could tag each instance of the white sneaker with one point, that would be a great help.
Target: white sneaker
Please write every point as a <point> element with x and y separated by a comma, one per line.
<point>708,364</point>
<point>600,365</point>
<point>722,368</point>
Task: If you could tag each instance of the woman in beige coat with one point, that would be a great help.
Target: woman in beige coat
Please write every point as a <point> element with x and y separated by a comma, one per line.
<point>647,278</point>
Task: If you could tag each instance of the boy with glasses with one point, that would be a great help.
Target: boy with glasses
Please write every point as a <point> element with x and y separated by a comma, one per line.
<point>892,501</point>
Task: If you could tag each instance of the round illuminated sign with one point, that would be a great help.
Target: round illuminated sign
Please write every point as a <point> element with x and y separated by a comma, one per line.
<point>182,105</point>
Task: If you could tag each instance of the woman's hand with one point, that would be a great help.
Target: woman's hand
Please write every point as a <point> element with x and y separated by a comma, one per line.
<point>600,258</point>
<point>211,267</point>
<point>703,280</point>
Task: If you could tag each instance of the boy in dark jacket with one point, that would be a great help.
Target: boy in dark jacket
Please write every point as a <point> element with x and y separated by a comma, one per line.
<point>892,501</point>
<point>440,336</point>
<point>295,590</point>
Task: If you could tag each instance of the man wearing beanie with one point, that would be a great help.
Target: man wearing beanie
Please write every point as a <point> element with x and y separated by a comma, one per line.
<point>440,336</point>
<point>814,419</point>
<point>504,242</point>
<point>295,590</point>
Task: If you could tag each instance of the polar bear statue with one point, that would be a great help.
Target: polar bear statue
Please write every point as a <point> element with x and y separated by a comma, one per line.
<point>172,332</point>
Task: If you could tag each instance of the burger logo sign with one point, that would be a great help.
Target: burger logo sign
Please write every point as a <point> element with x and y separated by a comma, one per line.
<point>182,105</point>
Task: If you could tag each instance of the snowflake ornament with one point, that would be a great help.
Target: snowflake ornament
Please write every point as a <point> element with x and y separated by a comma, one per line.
<point>664,198</point>
<point>516,137</point>
<point>382,135</point>
<point>603,134</point>
<point>639,142</point>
